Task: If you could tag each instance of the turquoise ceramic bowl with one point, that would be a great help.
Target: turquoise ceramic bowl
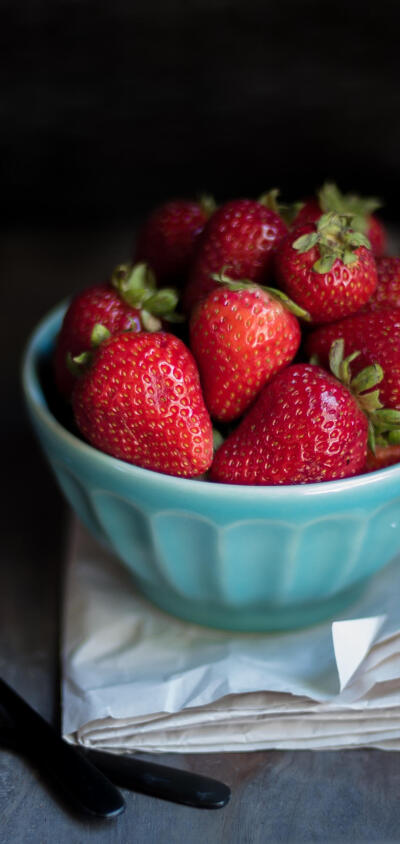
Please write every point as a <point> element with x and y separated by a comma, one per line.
<point>233,557</point>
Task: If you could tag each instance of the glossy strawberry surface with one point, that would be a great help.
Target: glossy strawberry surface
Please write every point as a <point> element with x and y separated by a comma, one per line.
<point>304,427</point>
<point>168,237</point>
<point>240,338</point>
<point>140,401</point>
<point>99,304</point>
<point>387,293</point>
<point>376,336</point>
<point>325,295</point>
<point>241,236</point>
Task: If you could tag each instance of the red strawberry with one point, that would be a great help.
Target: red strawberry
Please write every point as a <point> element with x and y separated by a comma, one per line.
<point>304,427</point>
<point>310,212</point>
<point>387,293</point>
<point>376,336</point>
<point>96,305</point>
<point>329,198</point>
<point>241,236</point>
<point>240,336</point>
<point>167,239</point>
<point>376,234</point>
<point>140,400</point>
<point>308,426</point>
<point>326,268</point>
<point>386,455</point>
<point>117,305</point>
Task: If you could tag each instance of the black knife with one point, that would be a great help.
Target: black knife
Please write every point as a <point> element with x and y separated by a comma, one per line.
<point>162,781</point>
<point>85,785</point>
<point>27,731</point>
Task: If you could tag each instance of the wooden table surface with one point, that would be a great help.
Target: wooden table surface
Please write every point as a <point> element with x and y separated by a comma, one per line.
<point>276,796</point>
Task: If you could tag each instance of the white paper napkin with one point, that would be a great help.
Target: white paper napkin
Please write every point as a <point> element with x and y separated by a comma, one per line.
<point>134,678</point>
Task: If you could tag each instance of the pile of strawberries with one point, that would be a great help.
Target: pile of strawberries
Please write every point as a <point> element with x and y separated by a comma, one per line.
<point>250,343</point>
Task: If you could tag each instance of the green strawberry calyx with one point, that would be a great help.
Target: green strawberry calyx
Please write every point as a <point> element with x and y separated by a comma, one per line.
<point>334,239</point>
<point>136,285</point>
<point>383,422</point>
<point>207,204</point>
<point>330,198</point>
<point>246,284</point>
<point>286,211</point>
<point>78,364</point>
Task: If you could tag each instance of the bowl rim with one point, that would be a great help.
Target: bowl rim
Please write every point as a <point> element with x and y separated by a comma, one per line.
<point>45,331</point>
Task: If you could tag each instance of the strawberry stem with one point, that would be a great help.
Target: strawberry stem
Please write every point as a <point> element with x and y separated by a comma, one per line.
<point>136,285</point>
<point>334,239</point>
<point>383,423</point>
<point>246,284</point>
<point>330,198</point>
<point>287,211</point>
<point>99,333</point>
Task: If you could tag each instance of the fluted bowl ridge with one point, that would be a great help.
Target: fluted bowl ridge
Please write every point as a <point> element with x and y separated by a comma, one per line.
<point>233,557</point>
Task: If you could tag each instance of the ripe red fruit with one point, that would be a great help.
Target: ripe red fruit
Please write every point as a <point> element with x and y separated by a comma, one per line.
<point>310,212</point>
<point>140,400</point>
<point>240,337</point>
<point>386,455</point>
<point>376,336</point>
<point>241,236</point>
<point>326,268</point>
<point>99,304</point>
<point>376,234</point>
<point>168,237</point>
<point>329,198</point>
<point>129,302</point>
<point>387,293</point>
<point>304,427</point>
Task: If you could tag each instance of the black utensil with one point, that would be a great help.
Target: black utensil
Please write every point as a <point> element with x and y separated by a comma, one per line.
<point>161,780</point>
<point>128,772</point>
<point>78,778</point>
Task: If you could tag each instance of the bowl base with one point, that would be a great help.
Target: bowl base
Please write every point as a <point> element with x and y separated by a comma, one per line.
<point>252,620</point>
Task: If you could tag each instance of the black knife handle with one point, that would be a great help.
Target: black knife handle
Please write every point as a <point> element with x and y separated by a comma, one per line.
<point>161,780</point>
<point>78,778</point>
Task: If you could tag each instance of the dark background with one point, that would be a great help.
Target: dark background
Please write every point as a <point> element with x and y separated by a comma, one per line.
<point>107,107</point>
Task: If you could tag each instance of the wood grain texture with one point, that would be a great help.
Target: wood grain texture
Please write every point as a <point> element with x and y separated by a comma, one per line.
<point>276,796</point>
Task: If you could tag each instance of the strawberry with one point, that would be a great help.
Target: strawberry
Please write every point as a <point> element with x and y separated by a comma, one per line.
<point>387,293</point>
<point>118,305</point>
<point>305,426</point>
<point>376,336</point>
<point>241,236</point>
<point>309,212</point>
<point>168,237</point>
<point>329,198</point>
<point>240,336</point>
<point>326,268</point>
<point>384,456</point>
<point>140,400</point>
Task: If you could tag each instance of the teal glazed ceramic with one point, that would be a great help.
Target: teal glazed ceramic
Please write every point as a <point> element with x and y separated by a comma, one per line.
<point>234,557</point>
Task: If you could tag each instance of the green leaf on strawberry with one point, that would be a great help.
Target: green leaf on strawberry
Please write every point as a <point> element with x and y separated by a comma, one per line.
<point>381,420</point>
<point>326,268</point>
<point>245,283</point>
<point>334,240</point>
